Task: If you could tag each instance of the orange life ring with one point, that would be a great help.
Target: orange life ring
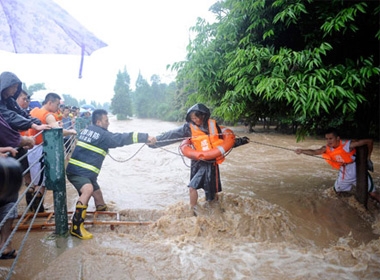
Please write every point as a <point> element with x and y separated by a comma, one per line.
<point>228,142</point>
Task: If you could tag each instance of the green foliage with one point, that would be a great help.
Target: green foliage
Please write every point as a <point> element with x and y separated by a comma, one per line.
<point>121,103</point>
<point>70,101</point>
<point>33,88</point>
<point>303,62</point>
<point>141,98</point>
<point>121,117</point>
<point>344,19</point>
<point>156,100</point>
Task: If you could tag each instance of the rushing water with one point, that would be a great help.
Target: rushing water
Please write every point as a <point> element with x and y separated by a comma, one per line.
<point>277,218</point>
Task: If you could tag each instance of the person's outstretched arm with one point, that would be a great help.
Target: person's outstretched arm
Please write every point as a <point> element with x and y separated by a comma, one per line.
<point>311,152</point>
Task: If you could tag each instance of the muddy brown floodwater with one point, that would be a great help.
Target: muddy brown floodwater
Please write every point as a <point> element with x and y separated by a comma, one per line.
<point>277,218</point>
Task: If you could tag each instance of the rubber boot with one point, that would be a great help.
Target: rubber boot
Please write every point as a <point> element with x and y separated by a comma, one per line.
<point>36,202</point>
<point>77,227</point>
<point>29,197</point>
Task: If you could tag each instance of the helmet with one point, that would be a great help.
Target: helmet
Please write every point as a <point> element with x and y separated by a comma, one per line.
<point>200,108</point>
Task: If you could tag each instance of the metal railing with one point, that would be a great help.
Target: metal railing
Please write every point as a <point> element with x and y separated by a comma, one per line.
<point>55,152</point>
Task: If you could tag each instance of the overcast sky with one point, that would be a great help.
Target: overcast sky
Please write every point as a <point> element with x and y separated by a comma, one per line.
<point>143,35</point>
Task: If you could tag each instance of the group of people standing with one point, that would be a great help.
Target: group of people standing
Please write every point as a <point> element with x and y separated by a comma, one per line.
<point>73,117</point>
<point>21,138</point>
<point>94,141</point>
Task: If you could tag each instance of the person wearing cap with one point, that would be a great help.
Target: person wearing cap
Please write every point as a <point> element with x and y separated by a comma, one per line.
<point>203,174</point>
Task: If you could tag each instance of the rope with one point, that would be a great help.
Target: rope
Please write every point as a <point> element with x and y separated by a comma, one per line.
<point>287,149</point>
<point>125,160</point>
<point>164,141</point>
<point>183,157</point>
<point>283,148</point>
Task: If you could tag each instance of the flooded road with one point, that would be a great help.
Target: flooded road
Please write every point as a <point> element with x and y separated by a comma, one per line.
<point>277,217</point>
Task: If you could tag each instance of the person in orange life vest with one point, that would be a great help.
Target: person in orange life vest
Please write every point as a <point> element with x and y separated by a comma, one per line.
<point>46,115</point>
<point>203,174</point>
<point>341,155</point>
<point>59,114</point>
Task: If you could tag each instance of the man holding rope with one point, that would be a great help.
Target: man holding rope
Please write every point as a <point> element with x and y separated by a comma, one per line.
<point>86,162</point>
<point>341,155</point>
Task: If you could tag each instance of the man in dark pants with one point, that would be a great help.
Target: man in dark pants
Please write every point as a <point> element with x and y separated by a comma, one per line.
<point>86,162</point>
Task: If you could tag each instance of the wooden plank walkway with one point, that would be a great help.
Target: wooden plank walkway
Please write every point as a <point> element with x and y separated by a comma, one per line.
<point>46,220</point>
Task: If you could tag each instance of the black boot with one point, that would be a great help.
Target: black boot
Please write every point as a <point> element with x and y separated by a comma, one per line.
<point>36,202</point>
<point>77,228</point>
<point>29,197</point>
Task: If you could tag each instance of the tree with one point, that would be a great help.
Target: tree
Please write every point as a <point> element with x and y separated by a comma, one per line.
<point>315,63</point>
<point>141,98</point>
<point>33,88</point>
<point>121,103</point>
<point>82,102</point>
<point>167,108</point>
<point>70,101</point>
<point>93,103</point>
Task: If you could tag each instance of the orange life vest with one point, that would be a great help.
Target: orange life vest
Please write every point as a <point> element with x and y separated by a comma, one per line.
<point>24,133</point>
<point>41,114</point>
<point>205,142</point>
<point>338,157</point>
<point>58,115</point>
